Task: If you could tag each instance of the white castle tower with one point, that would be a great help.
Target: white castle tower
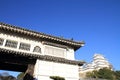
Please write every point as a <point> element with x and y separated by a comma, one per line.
<point>99,62</point>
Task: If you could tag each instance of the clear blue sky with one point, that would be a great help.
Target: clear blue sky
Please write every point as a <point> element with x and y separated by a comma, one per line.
<point>97,22</point>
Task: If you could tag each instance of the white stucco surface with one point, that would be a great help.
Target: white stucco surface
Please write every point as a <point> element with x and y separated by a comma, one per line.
<point>45,69</point>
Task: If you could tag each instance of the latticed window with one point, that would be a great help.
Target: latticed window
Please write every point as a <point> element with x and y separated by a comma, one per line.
<point>10,43</point>
<point>1,41</point>
<point>54,51</point>
<point>24,46</point>
<point>37,49</point>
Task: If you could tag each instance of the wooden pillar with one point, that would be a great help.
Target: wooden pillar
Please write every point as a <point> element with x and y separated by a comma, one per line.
<point>29,72</point>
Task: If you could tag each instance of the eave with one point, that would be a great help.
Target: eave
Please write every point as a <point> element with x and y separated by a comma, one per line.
<point>14,29</point>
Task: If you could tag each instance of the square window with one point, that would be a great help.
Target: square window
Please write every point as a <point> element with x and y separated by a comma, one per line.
<point>10,43</point>
<point>24,46</point>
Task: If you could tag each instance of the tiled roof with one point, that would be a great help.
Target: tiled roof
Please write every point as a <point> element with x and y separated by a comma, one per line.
<point>74,44</point>
<point>41,57</point>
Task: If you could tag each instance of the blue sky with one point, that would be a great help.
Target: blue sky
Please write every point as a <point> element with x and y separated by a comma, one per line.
<point>97,22</point>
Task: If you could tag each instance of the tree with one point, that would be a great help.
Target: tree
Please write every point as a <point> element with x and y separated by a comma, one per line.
<point>20,76</point>
<point>57,78</point>
<point>104,73</point>
<point>90,75</point>
<point>117,75</point>
<point>93,74</point>
<point>6,76</point>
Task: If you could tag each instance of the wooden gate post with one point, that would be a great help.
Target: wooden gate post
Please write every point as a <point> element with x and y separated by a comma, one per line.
<point>29,72</point>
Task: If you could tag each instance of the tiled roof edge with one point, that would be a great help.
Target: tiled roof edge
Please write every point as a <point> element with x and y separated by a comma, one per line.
<point>41,35</point>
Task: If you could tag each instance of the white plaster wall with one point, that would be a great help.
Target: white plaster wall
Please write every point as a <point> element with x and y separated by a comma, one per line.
<point>67,53</point>
<point>33,43</point>
<point>54,51</point>
<point>45,69</point>
<point>70,54</point>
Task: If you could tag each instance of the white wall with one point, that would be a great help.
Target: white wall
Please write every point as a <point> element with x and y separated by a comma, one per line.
<point>45,69</point>
<point>33,43</point>
<point>67,53</point>
<point>70,54</point>
<point>54,51</point>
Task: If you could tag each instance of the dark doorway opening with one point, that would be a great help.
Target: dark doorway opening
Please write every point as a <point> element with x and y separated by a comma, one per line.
<point>19,63</point>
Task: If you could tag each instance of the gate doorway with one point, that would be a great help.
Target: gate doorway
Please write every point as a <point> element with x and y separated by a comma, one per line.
<point>19,63</point>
